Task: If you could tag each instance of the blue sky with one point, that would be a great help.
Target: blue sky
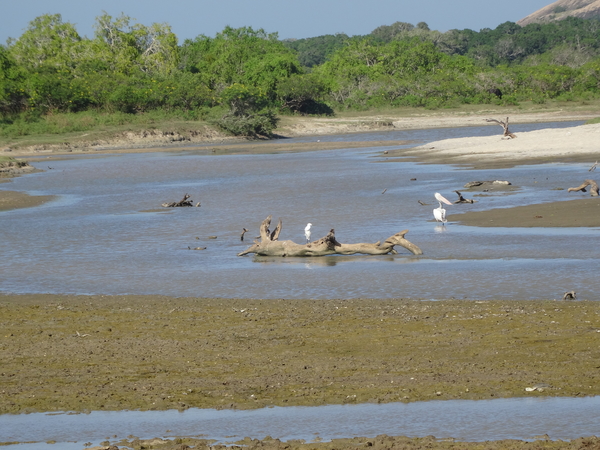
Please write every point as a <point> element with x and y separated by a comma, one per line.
<point>297,19</point>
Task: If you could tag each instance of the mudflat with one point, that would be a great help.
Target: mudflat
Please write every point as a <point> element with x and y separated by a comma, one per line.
<point>13,199</point>
<point>151,352</point>
<point>83,353</point>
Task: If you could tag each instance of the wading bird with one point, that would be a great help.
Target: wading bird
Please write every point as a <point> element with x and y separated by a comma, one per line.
<point>440,213</point>
<point>307,232</point>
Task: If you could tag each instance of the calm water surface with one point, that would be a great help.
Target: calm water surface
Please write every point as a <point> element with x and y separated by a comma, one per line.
<point>523,419</point>
<point>107,234</point>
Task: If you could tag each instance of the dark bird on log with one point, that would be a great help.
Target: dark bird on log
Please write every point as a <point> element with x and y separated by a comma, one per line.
<point>331,240</point>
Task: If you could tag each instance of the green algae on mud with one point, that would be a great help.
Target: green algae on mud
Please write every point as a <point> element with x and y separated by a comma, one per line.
<point>83,353</point>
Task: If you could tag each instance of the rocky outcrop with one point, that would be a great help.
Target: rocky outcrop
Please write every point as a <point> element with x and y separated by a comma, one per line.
<point>584,9</point>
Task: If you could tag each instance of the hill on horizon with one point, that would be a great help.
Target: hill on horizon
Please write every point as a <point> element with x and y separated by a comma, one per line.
<point>561,9</point>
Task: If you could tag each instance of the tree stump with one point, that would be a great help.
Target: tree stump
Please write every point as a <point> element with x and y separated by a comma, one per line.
<point>269,245</point>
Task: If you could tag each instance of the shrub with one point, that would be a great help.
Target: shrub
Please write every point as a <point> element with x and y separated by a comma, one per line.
<point>248,114</point>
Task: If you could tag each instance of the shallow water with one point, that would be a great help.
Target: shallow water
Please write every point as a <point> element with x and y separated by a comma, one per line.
<point>483,420</point>
<point>107,234</point>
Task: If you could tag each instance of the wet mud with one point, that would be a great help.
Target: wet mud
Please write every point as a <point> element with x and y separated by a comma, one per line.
<point>382,442</point>
<point>84,353</point>
<point>157,353</point>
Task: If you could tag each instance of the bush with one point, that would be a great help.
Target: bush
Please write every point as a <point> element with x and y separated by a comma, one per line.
<point>302,94</point>
<point>255,125</point>
<point>248,114</point>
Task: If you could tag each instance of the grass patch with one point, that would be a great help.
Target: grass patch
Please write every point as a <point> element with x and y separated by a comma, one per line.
<point>87,128</point>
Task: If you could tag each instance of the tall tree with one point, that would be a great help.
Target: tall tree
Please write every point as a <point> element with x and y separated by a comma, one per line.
<point>240,55</point>
<point>126,48</point>
<point>48,41</point>
<point>12,96</point>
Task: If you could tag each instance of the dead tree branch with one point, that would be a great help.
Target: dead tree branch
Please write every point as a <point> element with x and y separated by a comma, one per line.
<point>185,201</point>
<point>503,125</point>
<point>591,183</point>
<point>461,199</point>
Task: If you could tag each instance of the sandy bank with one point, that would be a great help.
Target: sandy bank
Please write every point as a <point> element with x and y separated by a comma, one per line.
<point>570,213</point>
<point>13,200</point>
<point>580,143</point>
<point>199,136</point>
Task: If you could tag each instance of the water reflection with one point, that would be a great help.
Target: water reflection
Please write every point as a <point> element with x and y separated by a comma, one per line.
<point>328,261</point>
<point>523,419</point>
<point>440,228</point>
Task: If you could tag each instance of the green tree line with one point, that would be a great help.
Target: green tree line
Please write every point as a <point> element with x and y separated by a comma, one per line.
<point>242,78</point>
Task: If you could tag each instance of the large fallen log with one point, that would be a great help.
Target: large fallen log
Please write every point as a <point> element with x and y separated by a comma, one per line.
<point>269,245</point>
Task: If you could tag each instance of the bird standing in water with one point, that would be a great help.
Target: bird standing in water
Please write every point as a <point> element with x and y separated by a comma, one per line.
<point>440,213</point>
<point>307,232</point>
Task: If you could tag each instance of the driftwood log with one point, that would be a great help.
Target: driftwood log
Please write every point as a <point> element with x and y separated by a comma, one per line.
<point>503,125</point>
<point>591,183</point>
<point>185,201</point>
<point>269,245</point>
<point>461,199</point>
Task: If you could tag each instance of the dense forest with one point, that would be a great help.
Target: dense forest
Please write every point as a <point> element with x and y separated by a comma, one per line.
<point>242,78</point>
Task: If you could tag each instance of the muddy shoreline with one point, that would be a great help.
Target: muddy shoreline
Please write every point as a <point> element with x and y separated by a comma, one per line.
<point>159,353</point>
<point>152,352</point>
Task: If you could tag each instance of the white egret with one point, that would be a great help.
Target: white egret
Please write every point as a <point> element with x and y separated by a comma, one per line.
<point>307,232</point>
<point>440,213</point>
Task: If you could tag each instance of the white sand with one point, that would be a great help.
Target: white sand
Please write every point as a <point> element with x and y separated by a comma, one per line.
<point>547,144</point>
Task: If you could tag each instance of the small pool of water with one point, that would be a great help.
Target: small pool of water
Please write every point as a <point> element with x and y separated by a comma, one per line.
<point>483,420</point>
